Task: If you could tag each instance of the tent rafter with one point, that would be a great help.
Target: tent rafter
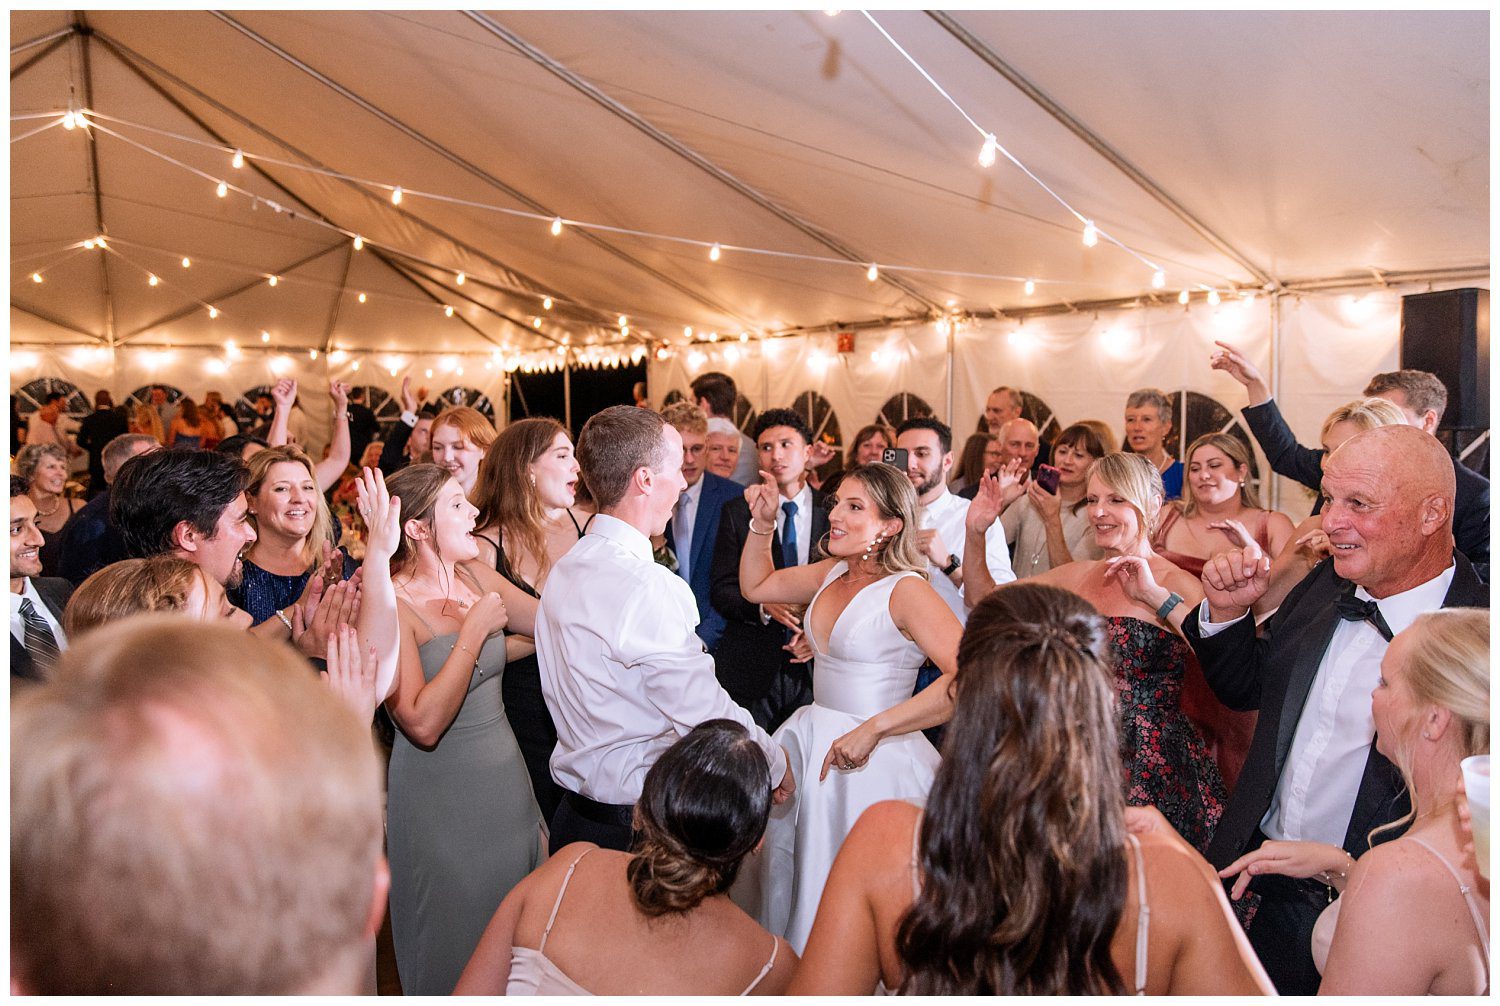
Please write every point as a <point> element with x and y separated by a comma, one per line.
<point>473,169</point>
<point>1118,160</point>
<point>338,298</point>
<point>413,273</point>
<point>223,295</point>
<point>59,39</point>
<point>51,36</point>
<point>83,33</point>
<point>53,319</point>
<point>405,274</point>
<point>138,63</point>
<point>629,115</point>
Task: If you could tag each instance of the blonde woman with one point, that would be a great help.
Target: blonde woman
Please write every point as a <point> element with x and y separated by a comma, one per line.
<point>1168,763</point>
<point>1413,917</point>
<point>872,619</point>
<point>135,586</point>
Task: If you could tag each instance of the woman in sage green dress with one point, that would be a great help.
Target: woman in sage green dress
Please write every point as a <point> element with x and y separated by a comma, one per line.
<point>462,824</point>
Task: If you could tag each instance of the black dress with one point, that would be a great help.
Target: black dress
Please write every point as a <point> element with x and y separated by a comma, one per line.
<point>1167,762</point>
<point>526,707</point>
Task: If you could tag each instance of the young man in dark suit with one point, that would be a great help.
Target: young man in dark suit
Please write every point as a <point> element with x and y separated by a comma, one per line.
<point>694,527</point>
<point>36,602</point>
<point>762,659</point>
<point>1312,772</point>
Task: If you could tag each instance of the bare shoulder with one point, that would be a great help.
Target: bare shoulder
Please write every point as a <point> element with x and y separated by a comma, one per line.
<point>1178,873</point>
<point>883,833</point>
<point>1395,870</point>
<point>1070,575</point>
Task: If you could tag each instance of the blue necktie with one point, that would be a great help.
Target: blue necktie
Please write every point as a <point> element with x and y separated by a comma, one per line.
<point>789,534</point>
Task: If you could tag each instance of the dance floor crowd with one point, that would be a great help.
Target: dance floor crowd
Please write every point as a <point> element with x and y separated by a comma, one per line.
<point>680,709</point>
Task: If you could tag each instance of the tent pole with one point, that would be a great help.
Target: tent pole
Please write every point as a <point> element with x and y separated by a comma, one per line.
<point>568,393</point>
<point>1276,296</point>
<point>950,376</point>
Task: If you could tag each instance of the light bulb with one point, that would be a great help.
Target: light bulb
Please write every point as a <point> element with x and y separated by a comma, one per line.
<point>714,252</point>
<point>1090,234</point>
<point>556,226</point>
<point>396,196</point>
<point>89,243</point>
<point>1158,279</point>
<point>393,370</point>
<point>536,323</point>
<point>36,277</point>
<point>239,159</point>
<point>547,303</point>
<point>187,263</point>
<point>1213,297</point>
<point>872,273</point>
<point>987,152</point>
<point>100,242</point>
<point>1030,287</point>
<point>222,190</point>
<point>70,120</point>
<point>624,329</point>
<point>312,354</point>
<point>213,312</point>
<point>448,310</point>
<point>359,242</point>
<point>355,366</point>
<point>744,336</point>
<point>273,280</point>
<point>624,321</point>
<point>362,298</point>
<point>429,371</point>
<point>460,279</point>
<point>459,372</point>
<point>265,336</point>
<point>151,280</point>
<point>687,331</point>
<point>1182,298</point>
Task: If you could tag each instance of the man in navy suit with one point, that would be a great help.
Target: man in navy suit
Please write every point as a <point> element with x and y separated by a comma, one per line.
<point>694,526</point>
<point>36,602</point>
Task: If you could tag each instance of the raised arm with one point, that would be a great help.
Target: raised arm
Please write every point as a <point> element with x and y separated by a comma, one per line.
<point>331,468</point>
<point>284,394</point>
<point>760,581</point>
<point>379,625</point>
<point>984,510</point>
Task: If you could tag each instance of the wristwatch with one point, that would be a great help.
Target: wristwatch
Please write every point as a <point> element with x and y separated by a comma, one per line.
<point>1172,601</point>
<point>953,564</point>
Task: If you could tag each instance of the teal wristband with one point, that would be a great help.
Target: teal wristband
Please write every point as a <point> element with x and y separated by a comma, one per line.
<point>1172,601</point>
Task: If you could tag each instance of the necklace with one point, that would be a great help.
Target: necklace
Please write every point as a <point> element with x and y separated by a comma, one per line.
<point>48,513</point>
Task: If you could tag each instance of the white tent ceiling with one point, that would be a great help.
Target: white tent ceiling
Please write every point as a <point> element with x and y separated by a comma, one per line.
<point>1277,149</point>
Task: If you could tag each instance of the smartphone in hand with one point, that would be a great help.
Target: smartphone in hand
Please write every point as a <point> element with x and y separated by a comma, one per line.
<point>1048,478</point>
<point>894,456</point>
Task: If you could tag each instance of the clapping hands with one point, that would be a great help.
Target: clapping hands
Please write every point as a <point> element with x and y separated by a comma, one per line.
<point>381,513</point>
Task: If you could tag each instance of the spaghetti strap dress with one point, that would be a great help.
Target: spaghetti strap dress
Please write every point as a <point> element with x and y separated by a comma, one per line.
<point>462,827</point>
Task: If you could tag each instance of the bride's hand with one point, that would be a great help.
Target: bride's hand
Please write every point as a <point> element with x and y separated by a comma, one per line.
<point>852,750</point>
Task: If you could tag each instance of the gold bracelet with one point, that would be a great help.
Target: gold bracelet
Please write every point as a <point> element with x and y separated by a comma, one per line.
<point>755,530</point>
<point>470,652</point>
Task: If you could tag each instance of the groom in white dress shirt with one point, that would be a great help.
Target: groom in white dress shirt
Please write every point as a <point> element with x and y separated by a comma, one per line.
<point>623,671</point>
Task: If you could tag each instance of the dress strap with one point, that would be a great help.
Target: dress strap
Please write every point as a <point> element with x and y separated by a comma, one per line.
<point>418,613</point>
<point>1464,889</point>
<point>775,949</point>
<point>1143,916</point>
<point>558,903</point>
<point>1170,514</point>
<point>580,530</point>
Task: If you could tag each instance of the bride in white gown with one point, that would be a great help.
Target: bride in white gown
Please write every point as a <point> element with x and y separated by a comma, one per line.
<point>871,618</point>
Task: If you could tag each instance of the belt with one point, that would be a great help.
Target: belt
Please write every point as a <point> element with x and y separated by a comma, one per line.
<point>600,813</point>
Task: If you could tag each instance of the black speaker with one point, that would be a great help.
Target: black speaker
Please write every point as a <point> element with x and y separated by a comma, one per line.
<point>1448,334</point>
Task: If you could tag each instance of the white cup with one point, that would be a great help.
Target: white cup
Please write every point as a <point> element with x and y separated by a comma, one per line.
<point>1477,786</point>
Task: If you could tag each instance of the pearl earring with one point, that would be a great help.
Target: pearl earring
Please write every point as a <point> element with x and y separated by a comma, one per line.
<point>873,547</point>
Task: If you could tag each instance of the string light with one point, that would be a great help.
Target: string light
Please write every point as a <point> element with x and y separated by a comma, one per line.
<point>187,263</point>
<point>265,336</point>
<point>460,279</point>
<point>100,242</point>
<point>624,329</point>
<point>1213,297</point>
<point>1090,234</point>
<point>36,277</point>
<point>448,310</point>
<point>556,226</point>
<point>362,298</point>
<point>714,252</point>
<point>1182,298</point>
<point>872,273</point>
<point>396,196</point>
<point>355,366</point>
<point>312,354</point>
<point>239,159</point>
<point>89,243</point>
<point>987,152</point>
<point>272,280</point>
<point>536,323</point>
<point>1030,287</point>
<point>222,190</point>
<point>338,356</point>
<point>624,321</point>
<point>70,120</point>
<point>151,279</point>
<point>359,242</point>
<point>213,312</point>
<point>1158,279</point>
<point>687,331</point>
<point>546,303</point>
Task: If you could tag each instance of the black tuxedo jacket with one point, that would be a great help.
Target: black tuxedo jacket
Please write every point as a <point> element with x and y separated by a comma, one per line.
<point>1471,500</point>
<point>1274,673</point>
<point>749,654</point>
<point>55,592</point>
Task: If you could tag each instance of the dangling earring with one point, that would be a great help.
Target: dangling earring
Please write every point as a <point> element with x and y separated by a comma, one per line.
<point>873,546</point>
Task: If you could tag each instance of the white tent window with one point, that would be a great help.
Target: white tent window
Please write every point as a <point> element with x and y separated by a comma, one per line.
<point>143,394</point>
<point>472,397</point>
<point>901,407</point>
<point>1034,409</point>
<point>244,407</point>
<point>819,414</point>
<point>1194,414</point>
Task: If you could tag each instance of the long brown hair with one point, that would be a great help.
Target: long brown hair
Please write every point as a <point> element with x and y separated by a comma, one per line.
<point>505,492</point>
<point>418,486</point>
<point>1022,845</point>
<point>188,410</point>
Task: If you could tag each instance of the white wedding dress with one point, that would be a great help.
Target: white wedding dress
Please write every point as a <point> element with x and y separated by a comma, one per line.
<point>868,667</point>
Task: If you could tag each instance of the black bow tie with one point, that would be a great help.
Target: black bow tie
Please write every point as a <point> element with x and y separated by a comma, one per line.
<point>1355,610</point>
